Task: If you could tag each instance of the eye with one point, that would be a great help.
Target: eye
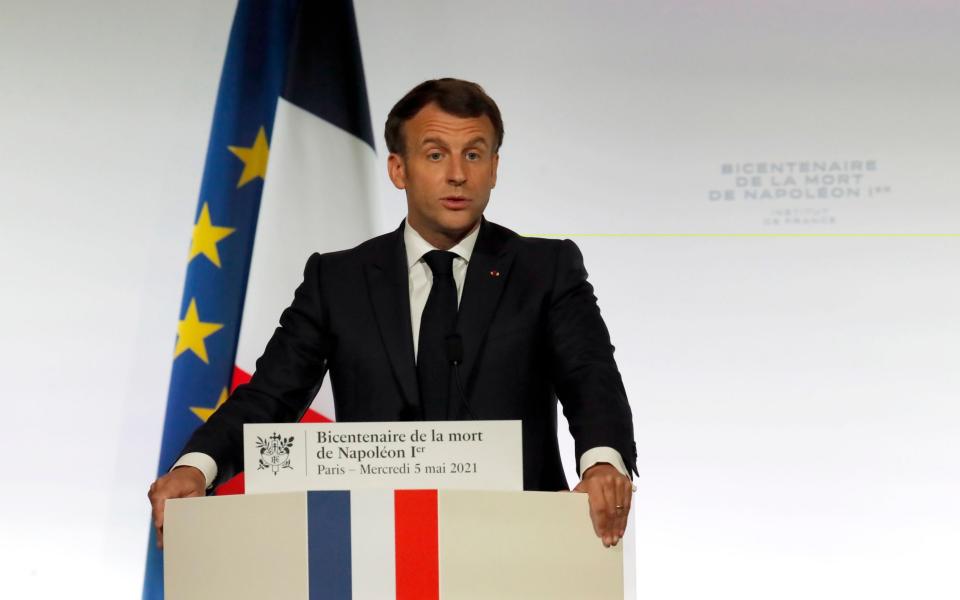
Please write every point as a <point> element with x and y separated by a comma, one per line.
<point>435,155</point>
<point>473,155</point>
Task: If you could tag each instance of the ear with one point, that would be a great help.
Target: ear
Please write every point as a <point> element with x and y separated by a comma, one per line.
<point>397,171</point>
<point>496,163</point>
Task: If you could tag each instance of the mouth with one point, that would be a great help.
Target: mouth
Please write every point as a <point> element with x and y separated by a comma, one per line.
<point>454,202</point>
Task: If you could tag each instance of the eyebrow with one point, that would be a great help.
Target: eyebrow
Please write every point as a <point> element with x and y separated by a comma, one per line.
<point>477,141</point>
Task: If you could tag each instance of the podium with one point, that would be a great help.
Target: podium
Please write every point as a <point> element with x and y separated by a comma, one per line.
<point>383,544</point>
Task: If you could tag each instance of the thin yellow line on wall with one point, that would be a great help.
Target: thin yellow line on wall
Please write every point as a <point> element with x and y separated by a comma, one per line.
<point>627,235</point>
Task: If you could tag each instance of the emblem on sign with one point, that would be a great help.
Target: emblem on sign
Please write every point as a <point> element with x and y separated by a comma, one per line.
<point>274,452</point>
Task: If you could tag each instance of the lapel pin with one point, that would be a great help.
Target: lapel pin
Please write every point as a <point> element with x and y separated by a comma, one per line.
<point>494,273</point>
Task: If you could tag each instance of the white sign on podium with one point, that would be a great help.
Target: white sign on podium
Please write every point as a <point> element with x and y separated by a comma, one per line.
<point>466,455</point>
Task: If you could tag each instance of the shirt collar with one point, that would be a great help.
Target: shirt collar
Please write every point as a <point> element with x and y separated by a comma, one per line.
<point>417,246</point>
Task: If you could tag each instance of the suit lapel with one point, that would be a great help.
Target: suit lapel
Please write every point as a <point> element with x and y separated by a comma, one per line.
<point>487,275</point>
<point>389,293</point>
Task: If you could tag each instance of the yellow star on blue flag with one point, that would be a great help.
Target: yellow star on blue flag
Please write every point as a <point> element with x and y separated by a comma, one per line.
<point>254,158</point>
<point>206,235</point>
<point>191,333</point>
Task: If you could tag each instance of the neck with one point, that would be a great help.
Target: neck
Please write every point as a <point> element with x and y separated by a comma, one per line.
<point>442,240</point>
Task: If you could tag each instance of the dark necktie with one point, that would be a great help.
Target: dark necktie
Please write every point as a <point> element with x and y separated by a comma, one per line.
<point>438,321</point>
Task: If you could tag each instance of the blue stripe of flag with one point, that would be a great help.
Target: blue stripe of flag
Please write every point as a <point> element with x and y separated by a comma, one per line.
<point>254,73</point>
<point>328,544</point>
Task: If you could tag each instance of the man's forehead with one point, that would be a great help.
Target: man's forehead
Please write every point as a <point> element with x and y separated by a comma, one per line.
<point>432,122</point>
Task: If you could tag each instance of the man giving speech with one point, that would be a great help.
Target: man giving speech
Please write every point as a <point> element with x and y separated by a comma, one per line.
<point>383,318</point>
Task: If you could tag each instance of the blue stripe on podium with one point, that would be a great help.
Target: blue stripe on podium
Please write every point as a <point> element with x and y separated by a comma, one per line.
<point>328,544</point>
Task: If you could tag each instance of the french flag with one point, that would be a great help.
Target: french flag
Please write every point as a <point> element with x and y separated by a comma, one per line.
<point>383,544</point>
<point>373,545</point>
<point>320,184</point>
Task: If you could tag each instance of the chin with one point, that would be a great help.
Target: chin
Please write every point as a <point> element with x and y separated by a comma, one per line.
<point>460,224</point>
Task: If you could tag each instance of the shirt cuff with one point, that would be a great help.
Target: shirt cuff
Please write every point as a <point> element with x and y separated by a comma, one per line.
<point>601,454</point>
<point>204,462</point>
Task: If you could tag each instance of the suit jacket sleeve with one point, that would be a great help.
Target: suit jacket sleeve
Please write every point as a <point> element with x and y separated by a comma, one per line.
<point>585,374</point>
<point>287,377</point>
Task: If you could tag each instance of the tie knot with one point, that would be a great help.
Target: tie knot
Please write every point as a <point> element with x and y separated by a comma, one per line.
<point>440,262</point>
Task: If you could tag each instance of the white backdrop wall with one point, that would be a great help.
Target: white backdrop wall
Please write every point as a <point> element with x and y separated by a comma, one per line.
<point>795,396</point>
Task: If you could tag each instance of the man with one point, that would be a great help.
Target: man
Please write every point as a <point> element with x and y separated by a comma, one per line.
<point>381,319</point>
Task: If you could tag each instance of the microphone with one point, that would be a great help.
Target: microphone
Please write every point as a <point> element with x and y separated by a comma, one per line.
<point>454,348</point>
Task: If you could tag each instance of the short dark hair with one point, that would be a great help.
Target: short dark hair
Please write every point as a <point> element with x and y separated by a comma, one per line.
<point>455,96</point>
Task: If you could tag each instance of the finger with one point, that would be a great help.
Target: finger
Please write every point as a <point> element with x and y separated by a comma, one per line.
<point>623,502</point>
<point>610,534</point>
<point>157,506</point>
<point>595,506</point>
<point>627,504</point>
<point>158,513</point>
<point>598,510</point>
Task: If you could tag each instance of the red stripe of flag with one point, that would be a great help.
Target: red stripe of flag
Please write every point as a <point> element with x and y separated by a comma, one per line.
<point>417,544</point>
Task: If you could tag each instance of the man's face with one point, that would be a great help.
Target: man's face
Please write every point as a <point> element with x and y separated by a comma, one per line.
<point>448,170</point>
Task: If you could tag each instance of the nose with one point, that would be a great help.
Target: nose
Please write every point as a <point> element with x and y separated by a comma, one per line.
<point>456,174</point>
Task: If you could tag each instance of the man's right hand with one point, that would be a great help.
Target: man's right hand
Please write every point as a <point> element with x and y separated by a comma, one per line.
<point>182,482</point>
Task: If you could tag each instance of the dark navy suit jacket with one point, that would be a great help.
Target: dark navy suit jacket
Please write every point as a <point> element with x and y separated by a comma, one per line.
<point>531,332</point>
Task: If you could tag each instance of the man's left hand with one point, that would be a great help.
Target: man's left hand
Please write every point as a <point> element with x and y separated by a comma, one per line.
<point>610,493</point>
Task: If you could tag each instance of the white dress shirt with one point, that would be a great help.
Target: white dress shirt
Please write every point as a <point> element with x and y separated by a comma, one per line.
<point>420,277</point>
<point>420,280</point>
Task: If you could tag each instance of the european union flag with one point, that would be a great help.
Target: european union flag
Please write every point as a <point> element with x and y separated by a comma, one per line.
<point>305,57</point>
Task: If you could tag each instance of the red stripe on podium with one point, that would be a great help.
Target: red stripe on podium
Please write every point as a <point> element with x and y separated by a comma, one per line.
<point>417,544</point>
